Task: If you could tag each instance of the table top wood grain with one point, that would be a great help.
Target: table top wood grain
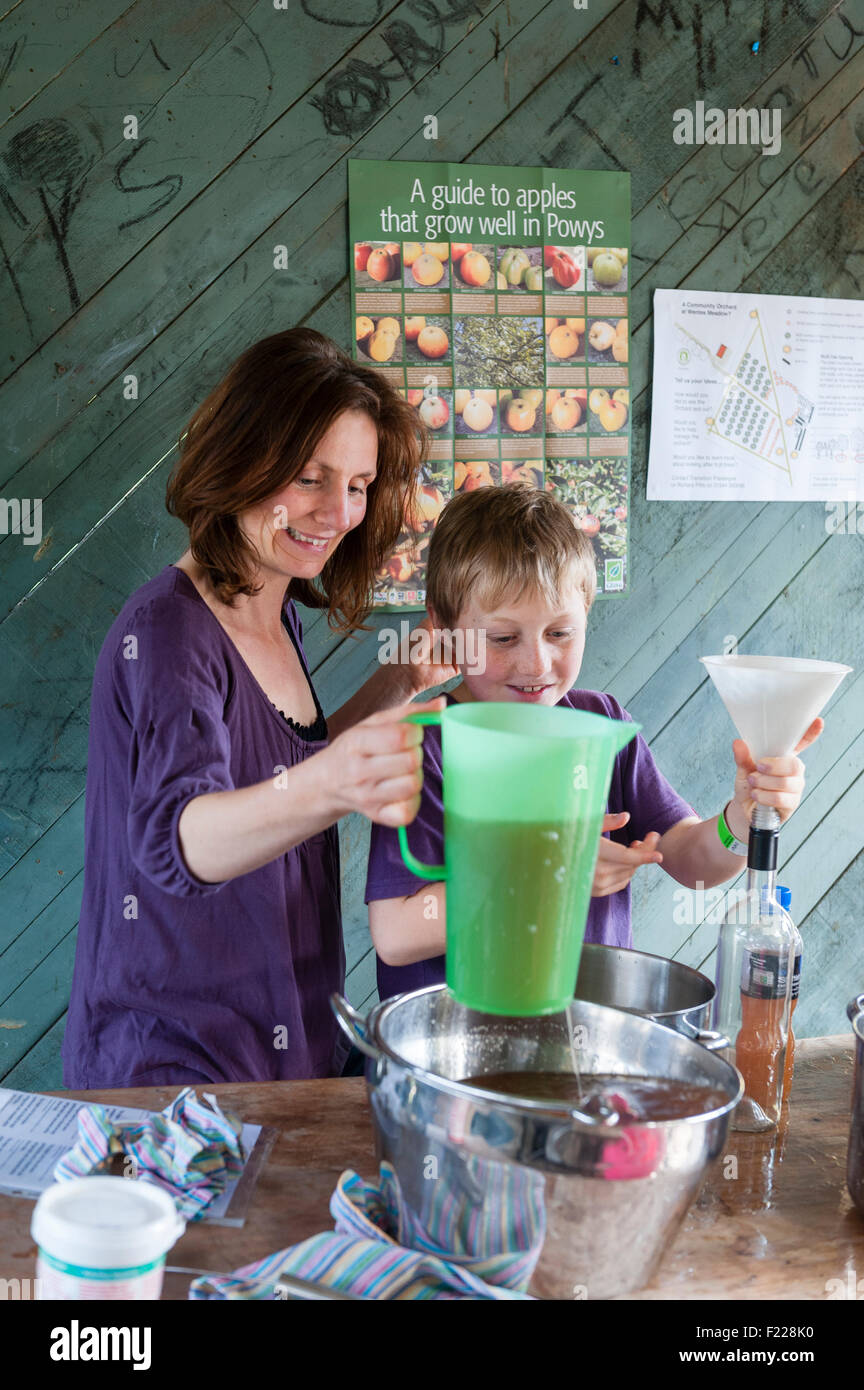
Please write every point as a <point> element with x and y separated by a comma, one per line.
<point>773,1219</point>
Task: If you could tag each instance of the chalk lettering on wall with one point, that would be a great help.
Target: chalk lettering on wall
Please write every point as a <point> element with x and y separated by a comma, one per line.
<point>354,96</point>
<point>8,58</point>
<point>571,112</point>
<point>362,13</point>
<point>410,50</point>
<point>47,158</point>
<point>851,35</point>
<point>657,13</point>
<point>157,55</point>
<point>171,184</point>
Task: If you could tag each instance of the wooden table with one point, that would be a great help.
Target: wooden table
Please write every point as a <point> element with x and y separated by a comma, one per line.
<point>775,1223</point>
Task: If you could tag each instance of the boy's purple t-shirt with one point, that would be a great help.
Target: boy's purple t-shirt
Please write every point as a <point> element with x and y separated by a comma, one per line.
<point>177,980</point>
<point>637,786</point>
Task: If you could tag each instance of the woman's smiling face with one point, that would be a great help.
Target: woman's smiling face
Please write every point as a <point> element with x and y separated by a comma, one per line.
<point>297,530</point>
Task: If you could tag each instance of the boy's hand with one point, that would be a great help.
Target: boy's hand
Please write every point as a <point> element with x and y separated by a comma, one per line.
<point>427,674</point>
<point>616,864</point>
<point>776,782</point>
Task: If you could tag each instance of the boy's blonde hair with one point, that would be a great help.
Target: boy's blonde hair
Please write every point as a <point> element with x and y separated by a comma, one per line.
<point>511,540</point>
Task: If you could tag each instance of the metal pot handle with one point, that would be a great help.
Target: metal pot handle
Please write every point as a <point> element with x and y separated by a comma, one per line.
<point>353,1025</point>
<point>706,1037</point>
<point>855,1008</point>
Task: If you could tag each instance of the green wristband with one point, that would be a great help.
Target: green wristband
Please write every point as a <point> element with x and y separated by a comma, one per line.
<point>727,839</point>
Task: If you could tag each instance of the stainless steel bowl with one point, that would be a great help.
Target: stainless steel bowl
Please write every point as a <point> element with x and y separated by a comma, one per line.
<point>555,1200</point>
<point>665,990</point>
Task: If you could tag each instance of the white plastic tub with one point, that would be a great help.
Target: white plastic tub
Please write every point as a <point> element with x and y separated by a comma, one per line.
<point>103,1238</point>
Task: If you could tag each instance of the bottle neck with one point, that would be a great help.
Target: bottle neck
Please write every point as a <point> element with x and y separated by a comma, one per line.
<point>762,882</point>
<point>762,858</point>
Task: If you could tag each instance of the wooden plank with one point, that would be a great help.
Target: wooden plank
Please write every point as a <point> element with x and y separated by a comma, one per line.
<point>354,853</point>
<point>64,511</point>
<point>155,288</point>
<point>793,195</point>
<point>588,113</point>
<point>206,55</point>
<point>50,649</point>
<point>361,984</point>
<point>827,240</point>
<point>771,551</point>
<point>39,1001</point>
<point>39,938</point>
<point>833,765</point>
<point>749,243</point>
<point>42,873</point>
<point>829,993</point>
<point>717,186</point>
<point>38,44</point>
<point>833,962</point>
<point>52,199</point>
<point>40,1069</point>
<point>98,245</point>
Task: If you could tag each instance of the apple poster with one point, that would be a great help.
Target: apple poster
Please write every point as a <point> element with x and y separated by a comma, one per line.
<point>495,299</point>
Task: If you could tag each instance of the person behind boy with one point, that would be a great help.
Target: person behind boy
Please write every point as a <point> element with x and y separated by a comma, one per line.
<point>509,561</point>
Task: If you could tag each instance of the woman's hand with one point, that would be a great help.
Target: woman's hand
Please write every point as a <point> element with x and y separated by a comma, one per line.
<point>616,864</point>
<point>375,767</point>
<point>777,782</point>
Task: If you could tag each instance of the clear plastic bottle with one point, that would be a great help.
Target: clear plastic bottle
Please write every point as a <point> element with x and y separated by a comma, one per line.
<point>755,966</point>
<point>784,897</point>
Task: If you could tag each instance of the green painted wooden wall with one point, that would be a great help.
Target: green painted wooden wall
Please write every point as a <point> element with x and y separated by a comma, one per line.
<point>155,257</point>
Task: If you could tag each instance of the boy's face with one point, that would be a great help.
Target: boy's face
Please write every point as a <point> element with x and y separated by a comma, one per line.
<point>533,649</point>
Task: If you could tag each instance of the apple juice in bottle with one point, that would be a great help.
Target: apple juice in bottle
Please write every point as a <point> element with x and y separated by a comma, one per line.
<point>755,966</point>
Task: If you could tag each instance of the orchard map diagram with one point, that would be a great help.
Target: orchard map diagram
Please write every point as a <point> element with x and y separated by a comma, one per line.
<point>758,409</point>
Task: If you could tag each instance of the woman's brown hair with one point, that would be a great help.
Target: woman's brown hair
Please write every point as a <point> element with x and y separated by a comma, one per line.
<point>257,430</point>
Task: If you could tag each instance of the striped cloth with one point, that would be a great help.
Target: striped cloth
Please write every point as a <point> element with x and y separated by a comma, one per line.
<point>189,1149</point>
<point>379,1251</point>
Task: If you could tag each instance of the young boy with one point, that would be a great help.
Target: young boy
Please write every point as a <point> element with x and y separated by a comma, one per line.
<point>509,562</point>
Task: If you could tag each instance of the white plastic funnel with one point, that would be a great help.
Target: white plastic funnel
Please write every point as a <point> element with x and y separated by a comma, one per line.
<point>772,700</point>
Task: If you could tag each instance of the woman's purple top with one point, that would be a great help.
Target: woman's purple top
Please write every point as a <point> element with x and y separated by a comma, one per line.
<point>637,786</point>
<point>177,980</point>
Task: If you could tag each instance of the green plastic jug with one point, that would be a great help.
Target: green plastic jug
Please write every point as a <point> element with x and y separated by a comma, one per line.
<point>525,791</point>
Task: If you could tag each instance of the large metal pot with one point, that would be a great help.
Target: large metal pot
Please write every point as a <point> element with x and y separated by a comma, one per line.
<point>855,1152</point>
<point>665,990</point>
<point>552,1198</point>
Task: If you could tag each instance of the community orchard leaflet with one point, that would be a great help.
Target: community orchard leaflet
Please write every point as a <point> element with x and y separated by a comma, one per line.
<point>756,397</point>
<point>496,300</point>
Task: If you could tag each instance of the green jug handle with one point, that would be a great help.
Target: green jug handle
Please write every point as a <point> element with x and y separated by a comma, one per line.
<point>435,872</point>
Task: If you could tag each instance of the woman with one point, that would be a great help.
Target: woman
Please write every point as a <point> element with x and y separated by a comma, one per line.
<point>210,934</point>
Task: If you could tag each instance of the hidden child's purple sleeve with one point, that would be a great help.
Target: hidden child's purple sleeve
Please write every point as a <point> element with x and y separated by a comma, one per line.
<point>652,801</point>
<point>387,876</point>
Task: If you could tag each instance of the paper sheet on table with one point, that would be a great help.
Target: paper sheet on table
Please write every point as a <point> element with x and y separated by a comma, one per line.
<point>36,1131</point>
<point>757,397</point>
